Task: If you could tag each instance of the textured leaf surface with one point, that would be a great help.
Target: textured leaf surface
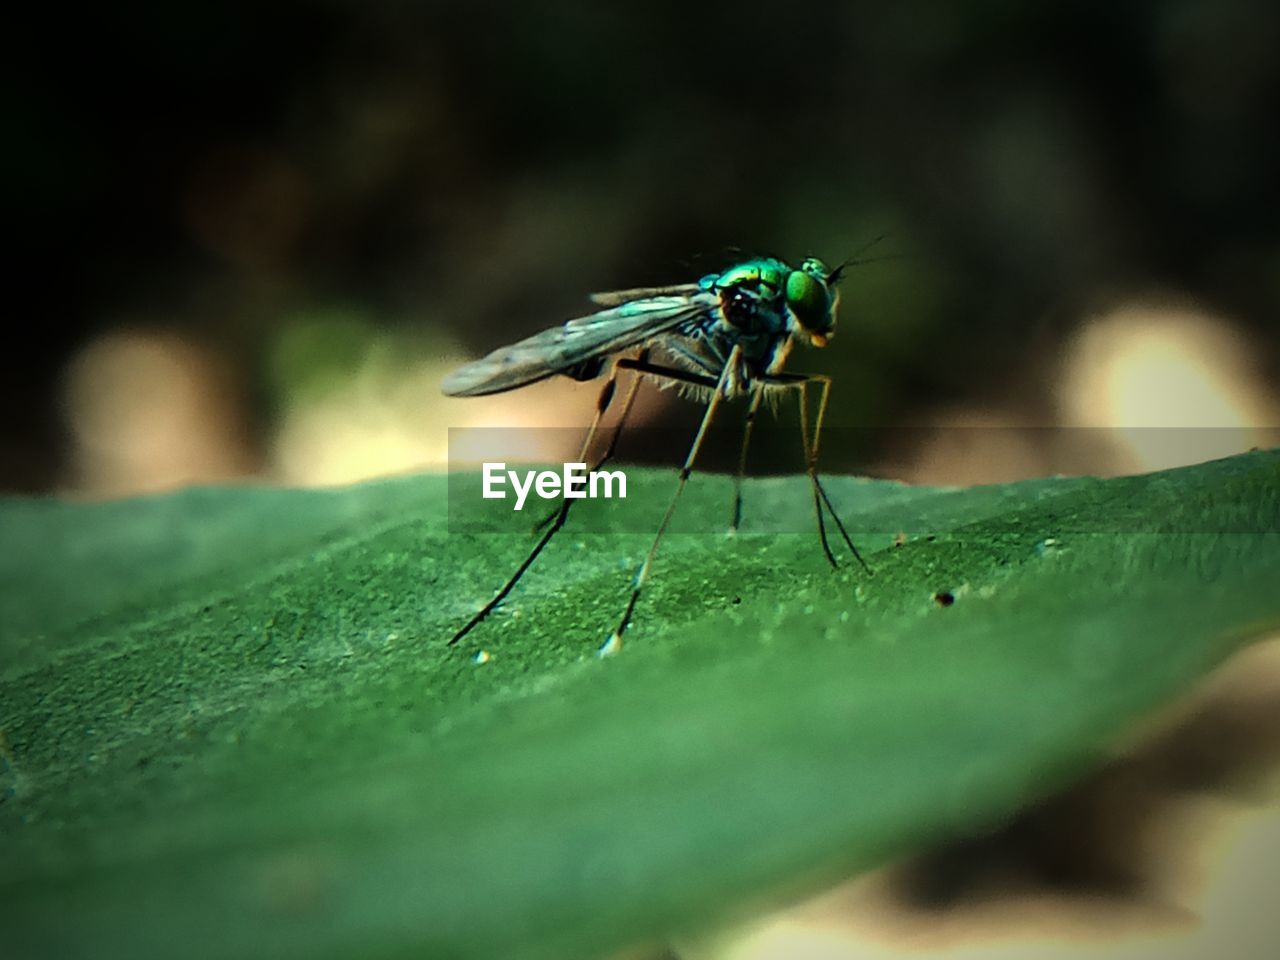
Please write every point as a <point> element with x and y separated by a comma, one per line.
<point>231,726</point>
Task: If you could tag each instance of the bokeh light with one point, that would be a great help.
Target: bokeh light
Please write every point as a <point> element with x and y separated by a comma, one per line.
<point>150,411</point>
<point>1173,384</point>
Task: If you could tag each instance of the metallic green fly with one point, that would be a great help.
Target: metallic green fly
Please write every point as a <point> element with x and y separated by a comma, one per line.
<point>727,336</point>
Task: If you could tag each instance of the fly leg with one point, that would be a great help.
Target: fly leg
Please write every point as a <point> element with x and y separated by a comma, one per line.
<point>555,520</point>
<point>639,364</point>
<point>752,410</point>
<point>800,382</point>
<point>614,643</point>
<point>561,513</point>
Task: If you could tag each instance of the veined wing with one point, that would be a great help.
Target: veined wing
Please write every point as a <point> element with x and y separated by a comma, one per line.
<point>613,298</point>
<point>560,348</point>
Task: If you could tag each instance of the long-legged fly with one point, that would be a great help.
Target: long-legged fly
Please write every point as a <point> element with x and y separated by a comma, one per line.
<point>726,336</point>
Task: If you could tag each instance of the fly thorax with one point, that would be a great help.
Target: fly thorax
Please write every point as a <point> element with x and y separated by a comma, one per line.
<point>751,295</point>
<point>754,312</point>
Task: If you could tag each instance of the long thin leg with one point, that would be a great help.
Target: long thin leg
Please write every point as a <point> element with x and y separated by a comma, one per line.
<point>554,521</point>
<point>667,373</point>
<point>820,497</point>
<point>640,364</point>
<point>811,469</point>
<point>800,382</point>
<point>614,643</point>
<point>752,410</point>
<point>560,513</point>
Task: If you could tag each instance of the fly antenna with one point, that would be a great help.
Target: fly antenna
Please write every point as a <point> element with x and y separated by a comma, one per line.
<point>857,260</point>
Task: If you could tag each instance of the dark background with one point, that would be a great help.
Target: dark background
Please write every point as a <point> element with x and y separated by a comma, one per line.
<point>263,194</point>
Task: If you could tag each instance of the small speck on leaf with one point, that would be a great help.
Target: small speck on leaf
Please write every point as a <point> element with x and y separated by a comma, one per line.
<point>1046,546</point>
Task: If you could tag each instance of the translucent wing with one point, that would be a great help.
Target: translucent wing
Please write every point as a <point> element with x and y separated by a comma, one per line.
<point>613,298</point>
<point>556,350</point>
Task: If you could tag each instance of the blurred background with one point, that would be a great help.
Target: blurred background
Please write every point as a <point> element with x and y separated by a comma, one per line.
<point>251,239</point>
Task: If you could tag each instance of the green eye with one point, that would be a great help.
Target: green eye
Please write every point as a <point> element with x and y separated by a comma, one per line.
<point>810,301</point>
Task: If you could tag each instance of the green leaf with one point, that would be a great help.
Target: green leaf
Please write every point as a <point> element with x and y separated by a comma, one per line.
<point>231,725</point>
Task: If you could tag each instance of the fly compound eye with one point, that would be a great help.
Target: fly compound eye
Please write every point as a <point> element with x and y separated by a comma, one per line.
<point>811,304</point>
